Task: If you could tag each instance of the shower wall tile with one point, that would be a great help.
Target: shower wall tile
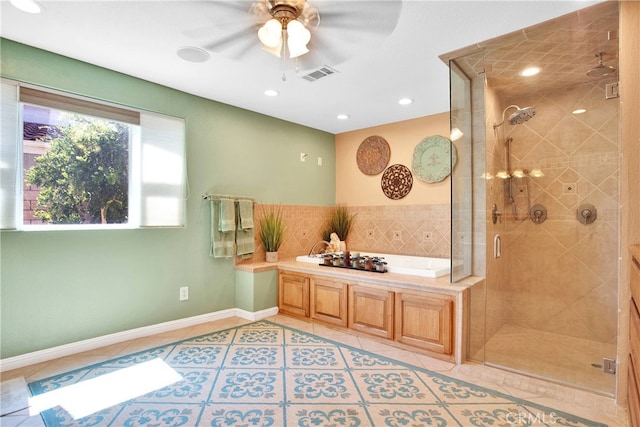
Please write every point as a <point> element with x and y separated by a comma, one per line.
<point>559,276</point>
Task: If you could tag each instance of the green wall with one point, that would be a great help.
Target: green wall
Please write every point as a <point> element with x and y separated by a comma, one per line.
<point>59,287</point>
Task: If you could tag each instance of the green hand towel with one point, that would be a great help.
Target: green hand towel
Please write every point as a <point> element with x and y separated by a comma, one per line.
<point>222,242</point>
<point>227,218</point>
<point>246,213</point>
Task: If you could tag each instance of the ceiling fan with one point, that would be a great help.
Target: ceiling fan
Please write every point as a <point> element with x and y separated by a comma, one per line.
<point>313,33</point>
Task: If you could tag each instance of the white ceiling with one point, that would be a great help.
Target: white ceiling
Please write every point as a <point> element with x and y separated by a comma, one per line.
<point>141,38</point>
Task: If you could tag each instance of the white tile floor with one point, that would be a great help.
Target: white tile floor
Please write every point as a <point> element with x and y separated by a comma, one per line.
<point>582,403</point>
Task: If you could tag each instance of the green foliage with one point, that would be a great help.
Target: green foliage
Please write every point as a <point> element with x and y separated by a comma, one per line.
<point>339,223</point>
<point>83,177</point>
<point>272,228</point>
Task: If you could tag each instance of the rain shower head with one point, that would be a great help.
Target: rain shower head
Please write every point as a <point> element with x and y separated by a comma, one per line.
<point>600,70</point>
<point>522,115</point>
<point>519,116</point>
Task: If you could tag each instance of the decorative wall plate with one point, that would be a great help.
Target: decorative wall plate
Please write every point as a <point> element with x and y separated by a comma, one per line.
<point>373,155</point>
<point>433,158</point>
<point>396,181</point>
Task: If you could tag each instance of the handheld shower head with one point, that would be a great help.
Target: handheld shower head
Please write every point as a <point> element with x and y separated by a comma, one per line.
<point>519,116</point>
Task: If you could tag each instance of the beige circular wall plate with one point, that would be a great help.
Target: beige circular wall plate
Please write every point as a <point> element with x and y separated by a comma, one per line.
<point>373,155</point>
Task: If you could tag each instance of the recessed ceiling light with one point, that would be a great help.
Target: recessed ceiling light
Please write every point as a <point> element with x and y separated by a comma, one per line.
<point>271,92</point>
<point>193,54</point>
<point>579,111</point>
<point>405,101</point>
<point>531,71</point>
<point>343,116</point>
<point>29,6</point>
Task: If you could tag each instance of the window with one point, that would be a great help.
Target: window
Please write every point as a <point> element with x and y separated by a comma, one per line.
<point>70,162</point>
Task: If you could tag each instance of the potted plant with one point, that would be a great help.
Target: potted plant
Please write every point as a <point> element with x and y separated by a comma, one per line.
<point>339,223</point>
<point>272,232</point>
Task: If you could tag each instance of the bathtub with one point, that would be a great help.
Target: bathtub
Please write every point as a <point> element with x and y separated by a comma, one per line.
<point>403,264</point>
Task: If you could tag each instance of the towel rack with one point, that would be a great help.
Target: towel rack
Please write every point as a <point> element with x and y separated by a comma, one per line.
<point>226,196</point>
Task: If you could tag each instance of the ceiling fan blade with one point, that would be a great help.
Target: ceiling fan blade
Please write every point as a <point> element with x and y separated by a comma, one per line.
<point>346,27</point>
<point>239,5</point>
<point>377,18</point>
<point>231,38</point>
<point>323,51</point>
<point>224,16</point>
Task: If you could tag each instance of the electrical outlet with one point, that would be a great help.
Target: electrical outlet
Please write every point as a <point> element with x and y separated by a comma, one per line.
<point>319,161</point>
<point>184,293</point>
<point>303,157</point>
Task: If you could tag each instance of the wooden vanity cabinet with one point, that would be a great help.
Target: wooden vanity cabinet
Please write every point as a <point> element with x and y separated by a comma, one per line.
<point>293,294</point>
<point>328,300</point>
<point>419,319</point>
<point>424,321</point>
<point>371,310</point>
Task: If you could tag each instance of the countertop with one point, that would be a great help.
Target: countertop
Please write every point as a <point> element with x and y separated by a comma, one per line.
<point>440,285</point>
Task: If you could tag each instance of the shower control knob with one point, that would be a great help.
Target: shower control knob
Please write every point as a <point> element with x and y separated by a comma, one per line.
<point>586,213</point>
<point>538,213</point>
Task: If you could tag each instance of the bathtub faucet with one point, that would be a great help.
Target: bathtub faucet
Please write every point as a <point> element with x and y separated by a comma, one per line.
<point>316,244</point>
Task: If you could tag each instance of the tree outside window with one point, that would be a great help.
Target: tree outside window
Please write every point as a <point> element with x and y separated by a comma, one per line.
<point>82,177</point>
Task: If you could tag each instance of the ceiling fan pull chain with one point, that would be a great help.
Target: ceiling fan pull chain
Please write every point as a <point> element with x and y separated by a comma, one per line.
<point>284,55</point>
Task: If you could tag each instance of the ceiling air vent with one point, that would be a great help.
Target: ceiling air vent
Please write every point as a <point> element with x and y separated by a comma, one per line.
<point>321,72</point>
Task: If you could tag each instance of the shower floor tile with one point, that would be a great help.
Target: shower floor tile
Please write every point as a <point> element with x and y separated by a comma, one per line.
<point>556,357</point>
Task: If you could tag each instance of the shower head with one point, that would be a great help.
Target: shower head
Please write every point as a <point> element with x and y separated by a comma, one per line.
<point>600,70</point>
<point>522,115</point>
<point>519,116</point>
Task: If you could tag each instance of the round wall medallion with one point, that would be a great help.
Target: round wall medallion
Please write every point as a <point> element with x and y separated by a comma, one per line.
<point>433,159</point>
<point>373,155</point>
<point>396,181</point>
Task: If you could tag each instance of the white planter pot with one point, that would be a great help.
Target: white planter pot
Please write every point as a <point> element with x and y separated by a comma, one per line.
<point>272,257</point>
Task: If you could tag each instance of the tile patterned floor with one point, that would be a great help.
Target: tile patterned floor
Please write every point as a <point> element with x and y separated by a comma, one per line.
<point>584,404</point>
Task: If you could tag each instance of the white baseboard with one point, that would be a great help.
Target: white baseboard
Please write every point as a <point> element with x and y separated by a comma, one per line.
<point>257,315</point>
<point>145,331</point>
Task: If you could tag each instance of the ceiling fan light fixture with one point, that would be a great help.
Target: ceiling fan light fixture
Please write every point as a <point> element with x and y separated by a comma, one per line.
<point>270,34</point>
<point>297,38</point>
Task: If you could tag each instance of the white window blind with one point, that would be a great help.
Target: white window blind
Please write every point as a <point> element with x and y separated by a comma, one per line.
<point>9,154</point>
<point>77,105</point>
<point>162,188</point>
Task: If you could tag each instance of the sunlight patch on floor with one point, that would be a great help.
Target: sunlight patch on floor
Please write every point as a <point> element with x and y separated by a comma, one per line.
<point>90,396</point>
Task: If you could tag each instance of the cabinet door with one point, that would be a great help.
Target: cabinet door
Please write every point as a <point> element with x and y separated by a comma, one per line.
<point>293,294</point>
<point>424,321</point>
<point>371,310</point>
<point>329,301</point>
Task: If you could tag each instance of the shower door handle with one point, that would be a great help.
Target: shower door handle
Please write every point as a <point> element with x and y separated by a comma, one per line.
<point>497,246</point>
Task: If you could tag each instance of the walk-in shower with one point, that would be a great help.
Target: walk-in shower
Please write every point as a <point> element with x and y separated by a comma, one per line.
<point>549,304</point>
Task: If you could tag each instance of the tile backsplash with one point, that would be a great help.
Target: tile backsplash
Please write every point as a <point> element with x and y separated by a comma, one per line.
<point>420,230</point>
